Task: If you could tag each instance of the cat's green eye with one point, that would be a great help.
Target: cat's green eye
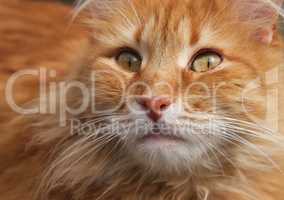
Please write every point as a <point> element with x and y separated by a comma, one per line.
<point>206,61</point>
<point>129,60</point>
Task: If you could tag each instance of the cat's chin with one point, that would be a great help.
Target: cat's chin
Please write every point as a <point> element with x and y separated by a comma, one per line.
<point>168,154</point>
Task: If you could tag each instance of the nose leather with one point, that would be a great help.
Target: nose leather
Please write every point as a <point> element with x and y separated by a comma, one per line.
<point>155,106</point>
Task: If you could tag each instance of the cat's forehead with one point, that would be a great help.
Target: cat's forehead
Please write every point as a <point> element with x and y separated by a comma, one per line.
<point>158,22</point>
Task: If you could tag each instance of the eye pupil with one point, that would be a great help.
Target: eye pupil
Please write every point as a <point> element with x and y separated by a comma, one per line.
<point>206,61</point>
<point>129,60</point>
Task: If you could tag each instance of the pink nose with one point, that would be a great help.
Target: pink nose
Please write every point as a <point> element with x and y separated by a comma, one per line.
<point>155,106</point>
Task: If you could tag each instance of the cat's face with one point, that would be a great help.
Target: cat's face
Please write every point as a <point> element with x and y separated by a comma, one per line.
<point>178,82</point>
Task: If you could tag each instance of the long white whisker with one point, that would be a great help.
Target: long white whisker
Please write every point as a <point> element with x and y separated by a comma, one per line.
<point>241,140</point>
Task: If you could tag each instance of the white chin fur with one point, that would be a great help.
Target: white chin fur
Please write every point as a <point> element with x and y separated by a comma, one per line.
<point>167,157</point>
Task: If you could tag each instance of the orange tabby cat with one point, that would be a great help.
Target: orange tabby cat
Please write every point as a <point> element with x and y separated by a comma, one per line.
<point>171,102</point>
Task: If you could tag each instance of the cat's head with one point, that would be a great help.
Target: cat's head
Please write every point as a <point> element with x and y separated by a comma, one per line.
<point>180,84</point>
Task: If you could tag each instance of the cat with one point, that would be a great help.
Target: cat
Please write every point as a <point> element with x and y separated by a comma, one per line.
<point>175,98</point>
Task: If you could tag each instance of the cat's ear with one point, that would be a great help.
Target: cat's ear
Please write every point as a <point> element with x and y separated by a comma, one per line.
<point>263,14</point>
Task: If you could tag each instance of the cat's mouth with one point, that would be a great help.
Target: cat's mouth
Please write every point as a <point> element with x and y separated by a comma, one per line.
<point>158,136</point>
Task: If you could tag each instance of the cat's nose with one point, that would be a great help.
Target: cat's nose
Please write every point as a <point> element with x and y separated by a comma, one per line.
<point>154,106</point>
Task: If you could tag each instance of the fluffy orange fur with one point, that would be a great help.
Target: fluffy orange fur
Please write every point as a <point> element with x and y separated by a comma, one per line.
<point>41,160</point>
<point>31,39</point>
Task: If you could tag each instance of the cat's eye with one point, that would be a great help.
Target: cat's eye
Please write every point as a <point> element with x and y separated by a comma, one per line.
<point>206,61</point>
<point>129,60</point>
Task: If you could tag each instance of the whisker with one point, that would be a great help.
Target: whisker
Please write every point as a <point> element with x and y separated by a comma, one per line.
<point>255,134</point>
<point>241,140</point>
<point>249,124</point>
